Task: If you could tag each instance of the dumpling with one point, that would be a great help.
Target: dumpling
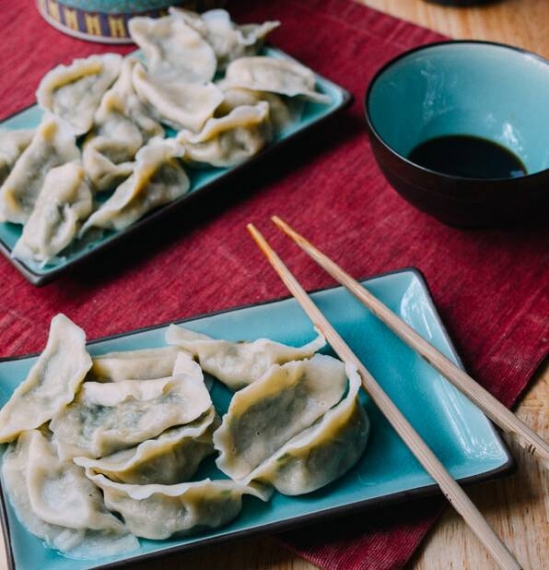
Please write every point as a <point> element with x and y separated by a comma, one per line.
<point>158,178</point>
<point>321,453</point>
<point>122,126</point>
<point>135,364</point>
<point>228,40</point>
<point>12,144</point>
<point>229,140</point>
<point>56,501</point>
<point>172,457</point>
<point>176,102</point>
<point>160,511</point>
<point>52,145</point>
<point>172,47</point>
<point>63,203</point>
<point>122,104</point>
<point>73,92</point>
<point>238,364</point>
<point>281,112</point>
<point>108,161</point>
<point>51,383</point>
<point>282,76</point>
<point>107,417</point>
<point>265,415</point>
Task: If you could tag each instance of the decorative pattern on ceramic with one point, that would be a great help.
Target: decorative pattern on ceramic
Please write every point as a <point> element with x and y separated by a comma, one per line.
<point>107,20</point>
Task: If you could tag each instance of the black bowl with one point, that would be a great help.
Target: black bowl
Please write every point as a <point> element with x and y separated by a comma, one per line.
<point>489,91</point>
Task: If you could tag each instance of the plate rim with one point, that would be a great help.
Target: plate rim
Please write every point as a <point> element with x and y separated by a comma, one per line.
<point>365,505</point>
<point>151,218</point>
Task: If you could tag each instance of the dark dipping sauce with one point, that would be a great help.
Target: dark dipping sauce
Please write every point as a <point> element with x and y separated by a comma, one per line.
<point>467,156</point>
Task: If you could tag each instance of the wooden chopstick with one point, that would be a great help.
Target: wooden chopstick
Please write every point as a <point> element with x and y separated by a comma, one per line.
<point>492,407</point>
<point>453,492</point>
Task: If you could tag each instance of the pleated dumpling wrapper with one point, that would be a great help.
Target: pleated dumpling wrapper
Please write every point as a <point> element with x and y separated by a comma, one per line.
<point>122,125</point>
<point>228,40</point>
<point>230,140</point>
<point>73,92</point>
<point>12,144</point>
<point>53,144</point>
<point>268,413</point>
<point>160,511</point>
<point>238,364</point>
<point>283,111</point>
<point>275,75</point>
<point>56,501</point>
<point>176,102</point>
<point>158,178</point>
<point>52,382</point>
<point>144,364</point>
<point>321,453</point>
<point>172,457</point>
<point>171,47</point>
<point>64,202</point>
<point>111,416</point>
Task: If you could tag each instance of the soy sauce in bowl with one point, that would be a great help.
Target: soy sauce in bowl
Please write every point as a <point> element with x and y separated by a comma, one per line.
<point>468,157</point>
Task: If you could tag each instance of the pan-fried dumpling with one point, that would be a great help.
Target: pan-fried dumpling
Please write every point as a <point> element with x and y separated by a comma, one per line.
<point>135,364</point>
<point>160,511</point>
<point>122,126</point>
<point>229,140</point>
<point>63,203</point>
<point>172,457</point>
<point>73,92</point>
<point>281,112</point>
<point>51,383</point>
<point>56,501</point>
<point>172,47</point>
<point>107,417</point>
<point>12,144</point>
<point>321,453</point>
<point>282,76</point>
<point>266,414</point>
<point>228,40</point>
<point>158,178</point>
<point>238,364</point>
<point>52,145</point>
<point>176,102</point>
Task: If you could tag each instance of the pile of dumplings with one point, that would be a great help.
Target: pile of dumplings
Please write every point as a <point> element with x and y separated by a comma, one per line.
<point>118,133</point>
<point>104,450</point>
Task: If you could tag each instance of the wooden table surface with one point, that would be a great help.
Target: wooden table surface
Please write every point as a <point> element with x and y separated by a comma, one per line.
<point>517,507</point>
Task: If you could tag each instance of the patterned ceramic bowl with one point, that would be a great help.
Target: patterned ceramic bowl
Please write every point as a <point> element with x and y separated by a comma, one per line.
<point>107,20</point>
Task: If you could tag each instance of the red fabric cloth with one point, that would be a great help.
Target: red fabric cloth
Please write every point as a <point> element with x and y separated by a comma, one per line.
<point>490,286</point>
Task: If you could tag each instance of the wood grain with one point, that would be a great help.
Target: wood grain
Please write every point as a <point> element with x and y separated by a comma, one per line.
<point>522,23</point>
<point>517,507</point>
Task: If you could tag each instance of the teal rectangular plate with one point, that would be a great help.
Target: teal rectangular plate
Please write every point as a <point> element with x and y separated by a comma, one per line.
<point>201,180</point>
<point>455,429</point>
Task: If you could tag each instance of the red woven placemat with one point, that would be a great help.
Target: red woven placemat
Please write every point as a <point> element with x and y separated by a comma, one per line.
<point>490,286</point>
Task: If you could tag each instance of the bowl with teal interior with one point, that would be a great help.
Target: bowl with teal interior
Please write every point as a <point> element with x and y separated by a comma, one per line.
<point>460,129</point>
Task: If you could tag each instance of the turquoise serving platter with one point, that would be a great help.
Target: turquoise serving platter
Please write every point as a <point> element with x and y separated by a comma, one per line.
<point>456,430</point>
<point>201,181</point>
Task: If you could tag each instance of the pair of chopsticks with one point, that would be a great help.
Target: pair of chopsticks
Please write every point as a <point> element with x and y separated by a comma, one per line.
<point>498,413</point>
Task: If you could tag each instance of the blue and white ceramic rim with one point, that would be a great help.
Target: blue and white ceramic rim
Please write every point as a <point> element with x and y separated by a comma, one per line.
<point>534,62</point>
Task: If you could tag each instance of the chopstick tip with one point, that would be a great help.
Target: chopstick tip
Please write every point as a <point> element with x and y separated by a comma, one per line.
<point>254,232</point>
<point>281,224</point>
<point>259,240</point>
